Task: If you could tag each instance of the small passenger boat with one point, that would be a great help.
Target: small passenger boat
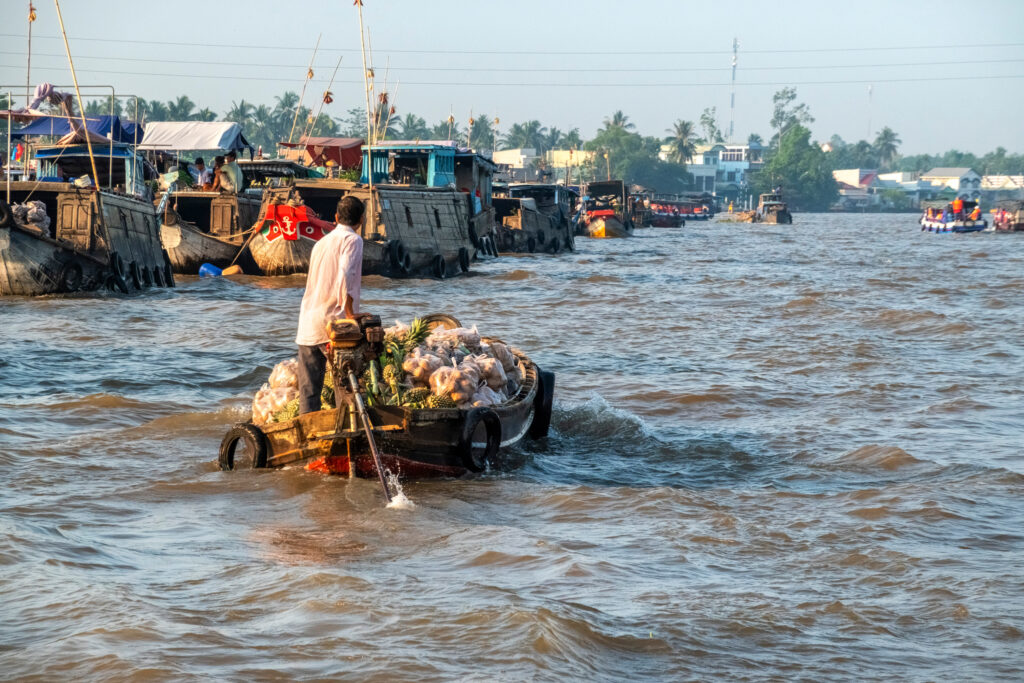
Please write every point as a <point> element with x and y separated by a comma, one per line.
<point>1009,217</point>
<point>59,236</point>
<point>602,213</point>
<point>942,221</point>
<point>413,443</point>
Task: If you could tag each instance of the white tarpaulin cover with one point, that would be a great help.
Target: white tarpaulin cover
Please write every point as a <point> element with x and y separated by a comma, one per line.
<point>193,135</point>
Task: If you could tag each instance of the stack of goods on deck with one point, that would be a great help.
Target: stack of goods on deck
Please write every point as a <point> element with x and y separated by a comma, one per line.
<point>443,368</point>
<point>420,368</point>
<point>278,399</point>
<point>32,216</point>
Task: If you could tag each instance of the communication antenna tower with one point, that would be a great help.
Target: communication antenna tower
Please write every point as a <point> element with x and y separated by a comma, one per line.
<point>732,94</point>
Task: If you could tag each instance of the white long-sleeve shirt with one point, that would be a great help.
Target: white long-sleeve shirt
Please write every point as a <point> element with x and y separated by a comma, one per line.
<point>335,272</point>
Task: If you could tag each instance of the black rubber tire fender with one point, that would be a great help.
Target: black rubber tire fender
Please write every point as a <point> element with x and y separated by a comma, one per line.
<point>158,276</point>
<point>442,320</point>
<point>553,245</point>
<point>6,217</point>
<point>493,246</point>
<point>440,267</point>
<point>541,237</point>
<point>474,238</point>
<point>464,259</point>
<point>117,264</point>
<point>147,276</point>
<point>168,271</point>
<point>396,254</point>
<point>542,403</point>
<point>492,424</point>
<point>71,276</point>
<point>570,245</point>
<point>254,438</point>
<point>531,244</point>
<point>116,283</point>
<point>135,276</point>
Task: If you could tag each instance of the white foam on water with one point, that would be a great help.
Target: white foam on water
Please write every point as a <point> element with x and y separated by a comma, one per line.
<point>399,501</point>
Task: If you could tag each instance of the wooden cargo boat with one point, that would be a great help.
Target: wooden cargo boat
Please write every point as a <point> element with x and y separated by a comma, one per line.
<point>421,225</point>
<point>551,230</point>
<point>88,238</point>
<point>771,209</point>
<point>602,212</point>
<point>421,443</point>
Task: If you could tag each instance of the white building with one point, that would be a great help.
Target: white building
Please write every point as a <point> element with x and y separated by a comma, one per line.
<point>964,181</point>
<point>723,169</point>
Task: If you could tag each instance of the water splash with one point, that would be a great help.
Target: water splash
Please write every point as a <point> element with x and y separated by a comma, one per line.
<point>399,501</point>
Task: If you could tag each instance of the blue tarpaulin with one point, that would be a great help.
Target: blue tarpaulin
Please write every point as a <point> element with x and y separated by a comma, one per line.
<point>101,125</point>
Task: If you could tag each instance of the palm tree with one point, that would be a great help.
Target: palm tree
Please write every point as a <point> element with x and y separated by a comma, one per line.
<point>682,140</point>
<point>446,129</point>
<point>411,127</point>
<point>240,112</point>
<point>481,135</point>
<point>755,138</point>
<point>572,139</point>
<point>552,140</point>
<point>206,114</point>
<point>181,108</point>
<point>887,146</point>
<point>618,120</point>
<point>153,111</point>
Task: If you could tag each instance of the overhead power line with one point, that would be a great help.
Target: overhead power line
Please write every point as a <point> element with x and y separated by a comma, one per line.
<point>643,69</point>
<point>548,85</point>
<point>264,47</point>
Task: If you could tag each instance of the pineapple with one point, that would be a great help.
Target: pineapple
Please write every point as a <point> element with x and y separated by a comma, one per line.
<point>435,401</point>
<point>289,412</point>
<point>414,336</point>
<point>393,374</point>
<point>417,395</point>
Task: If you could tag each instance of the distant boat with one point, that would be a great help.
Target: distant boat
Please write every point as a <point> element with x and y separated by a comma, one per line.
<point>939,221</point>
<point>603,210</point>
<point>772,209</point>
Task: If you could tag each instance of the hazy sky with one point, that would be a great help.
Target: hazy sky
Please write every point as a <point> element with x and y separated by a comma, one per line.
<point>942,74</point>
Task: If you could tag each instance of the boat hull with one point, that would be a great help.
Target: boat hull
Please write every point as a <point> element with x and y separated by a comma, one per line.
<point>954,226</point>
<point>189,248</point>
<point>95,239</point>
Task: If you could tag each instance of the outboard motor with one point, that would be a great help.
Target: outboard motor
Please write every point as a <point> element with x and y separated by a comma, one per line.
<point>354,343</point>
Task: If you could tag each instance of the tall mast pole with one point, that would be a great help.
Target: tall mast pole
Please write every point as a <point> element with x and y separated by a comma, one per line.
<point>368,84</point>
<point>732,94</point>
<point>28,66</point>
<point>309,77</point>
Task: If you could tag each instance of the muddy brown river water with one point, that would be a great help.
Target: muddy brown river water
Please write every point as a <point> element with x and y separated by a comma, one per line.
<point>778,452</point>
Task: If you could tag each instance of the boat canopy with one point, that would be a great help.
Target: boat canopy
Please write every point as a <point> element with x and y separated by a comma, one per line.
<point>109,127</point>
<point>342,152</point>
<point>171,136</point>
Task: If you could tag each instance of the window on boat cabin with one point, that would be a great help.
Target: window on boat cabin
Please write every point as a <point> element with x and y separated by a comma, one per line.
<point>408,216</point>
<point>437,218</point>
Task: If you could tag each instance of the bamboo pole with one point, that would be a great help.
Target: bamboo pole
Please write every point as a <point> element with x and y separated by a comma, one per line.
<point>85,126</point>
<point>28,66</point>
<point>309,74</point>
<point>319,109</point>
<point>367,85</point>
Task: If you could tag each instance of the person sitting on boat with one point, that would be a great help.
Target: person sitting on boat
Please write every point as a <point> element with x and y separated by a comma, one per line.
<point>976,213</point>
<point>333,286</point>
<point>219,179</point>
<point>231,166</point>
<point>203,175</point>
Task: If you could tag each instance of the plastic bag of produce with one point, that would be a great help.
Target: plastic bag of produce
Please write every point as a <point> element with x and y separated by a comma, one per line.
<point>458,336</point>
<point>421,365</point>
<point>261,406</point>
<point>485,396</point>
<point>504,356</point>
<point>491,372</point>
<point>285,374</point>
<point>442,380</point>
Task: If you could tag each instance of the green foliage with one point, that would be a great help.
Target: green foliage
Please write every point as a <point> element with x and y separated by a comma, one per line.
<point>803,171</point>
<point>786,114</point>
<point>634,158</point>
<point>683,141</point>
<point>709,125</point>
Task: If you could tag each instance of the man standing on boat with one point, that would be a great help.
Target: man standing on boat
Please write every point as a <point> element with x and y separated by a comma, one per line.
<point>333,287</point>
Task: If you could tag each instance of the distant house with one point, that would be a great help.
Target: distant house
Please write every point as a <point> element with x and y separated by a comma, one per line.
<point>722,169</point>
<point>520,164</point>
<point>861,189</point>
<point>995,188</point>
<point>965,182</point>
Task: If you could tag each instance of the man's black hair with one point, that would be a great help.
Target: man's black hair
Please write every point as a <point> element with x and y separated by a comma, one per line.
<point>199,160</point>
<point>350,210</point>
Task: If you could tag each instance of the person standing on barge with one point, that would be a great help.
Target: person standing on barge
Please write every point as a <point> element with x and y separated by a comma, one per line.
<point>333,287</point>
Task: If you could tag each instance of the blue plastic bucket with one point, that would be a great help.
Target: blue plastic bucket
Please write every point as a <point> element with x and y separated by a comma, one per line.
<point>209,270</point>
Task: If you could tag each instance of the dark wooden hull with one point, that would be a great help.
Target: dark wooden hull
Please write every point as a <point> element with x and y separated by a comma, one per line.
<point>189,248</point>
<point>77,253</point>
<point>414,444</point>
